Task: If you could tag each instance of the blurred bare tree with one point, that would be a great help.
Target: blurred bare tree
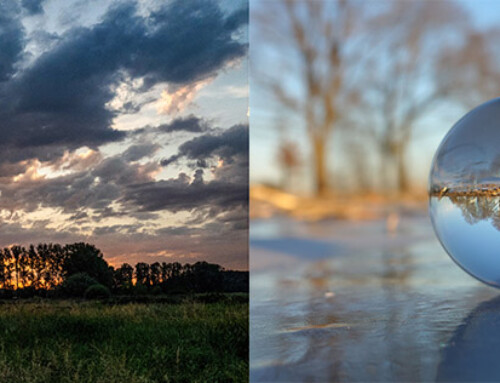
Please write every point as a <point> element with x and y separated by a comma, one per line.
<point>375,69</point>
<point>355,152</point>
<point>288,154</point>
<point>308,38</point>
<point>427,55</point>
<point>288,157</point>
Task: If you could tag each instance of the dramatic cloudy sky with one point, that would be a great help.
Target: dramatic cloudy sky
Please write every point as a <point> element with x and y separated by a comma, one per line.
<point>124,124</point>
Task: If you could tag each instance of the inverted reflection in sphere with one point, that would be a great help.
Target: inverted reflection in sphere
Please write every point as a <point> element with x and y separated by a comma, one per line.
<point>465,192</point>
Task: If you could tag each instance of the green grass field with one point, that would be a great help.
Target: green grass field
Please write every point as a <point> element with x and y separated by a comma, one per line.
<point>66,341</point>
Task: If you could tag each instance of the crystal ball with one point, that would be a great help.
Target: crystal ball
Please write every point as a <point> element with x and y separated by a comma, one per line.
<point>464,193</point>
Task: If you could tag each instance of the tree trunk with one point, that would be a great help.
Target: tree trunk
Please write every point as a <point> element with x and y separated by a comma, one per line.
<point>17,275</point>
<point>403,182</point>
<point>321,184</point>
<point>385,175</point>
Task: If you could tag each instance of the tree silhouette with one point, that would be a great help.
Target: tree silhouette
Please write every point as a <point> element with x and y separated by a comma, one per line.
<point>16,253</point>
<point>166,271</point>
<point>82,258</point>
<point>8,267</point>
<point>142,273</point>
<point>123,277</point>
<point>24,269</point>
<point>33,260</point>
<point>155,274</point>
<point>48,267</point>
<point>3,274</point>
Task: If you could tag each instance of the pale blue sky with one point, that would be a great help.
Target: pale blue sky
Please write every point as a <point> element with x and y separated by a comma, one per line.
<point>484,12</point>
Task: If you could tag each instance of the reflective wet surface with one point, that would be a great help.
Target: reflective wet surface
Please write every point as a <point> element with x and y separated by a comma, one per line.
<point>340,301</point>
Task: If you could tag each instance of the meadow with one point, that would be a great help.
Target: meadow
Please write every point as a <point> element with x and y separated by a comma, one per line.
<point>107,341</point>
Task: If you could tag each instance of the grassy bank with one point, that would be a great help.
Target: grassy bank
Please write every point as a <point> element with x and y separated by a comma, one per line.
<point>66,341</point>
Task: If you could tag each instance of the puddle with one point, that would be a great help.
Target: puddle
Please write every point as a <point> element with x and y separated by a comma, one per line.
<point>389,313</point>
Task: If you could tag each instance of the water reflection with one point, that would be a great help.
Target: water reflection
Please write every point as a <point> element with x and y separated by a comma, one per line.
<point>389,317</point>
<point>472,352</point>
<point>468,226</point>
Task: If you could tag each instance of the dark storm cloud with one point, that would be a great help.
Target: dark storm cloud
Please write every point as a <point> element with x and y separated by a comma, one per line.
<point>171,160</point>
<point>107,212</point>
<point>206,37</point>
<point>12,169</point>
<point>118,171</point>
<point>207,200</point>
<point>238,18</point>
<point>60,100</point>
<point>238,219</point>
<point>125,229</point>
<point>131,185</point>
<point>190,124</point>
<point>227,145</point>
<point>11,38</point>
<point>14,232</point>
<point>179,194</point>
<point>139,151</point>
<point>33,7</point>
<point>95,189</point>
<point>78,216</point>
<point>178,231</point>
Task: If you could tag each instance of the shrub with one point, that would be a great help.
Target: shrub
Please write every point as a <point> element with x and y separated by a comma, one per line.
<point>26,292</point>
<point>97,291</point>
<point>156,290</point>
<point>58,292</point>
<point>77,284</point>
<point>140,289</point>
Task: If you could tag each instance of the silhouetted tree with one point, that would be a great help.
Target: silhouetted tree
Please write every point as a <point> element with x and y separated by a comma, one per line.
<point>34,261</point>
<point>8,266</point>
<point>42,265</point>
<point>235,281</point>
<point>155,274</point>
<point>58,258</point>
<point>85,258</point>
<point>16,253</point>
<point>204,277</point>
<point>176,270</point>
<point>142,273</point>
<point>124,277</point>
<point>3,275</point>
<point>25,273</point>
<point>166,271</point>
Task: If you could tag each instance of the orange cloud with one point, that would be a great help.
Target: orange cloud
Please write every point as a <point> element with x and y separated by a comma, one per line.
<point>175,100</point>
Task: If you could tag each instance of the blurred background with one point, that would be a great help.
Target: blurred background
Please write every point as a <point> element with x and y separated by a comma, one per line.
<point>349,101</point>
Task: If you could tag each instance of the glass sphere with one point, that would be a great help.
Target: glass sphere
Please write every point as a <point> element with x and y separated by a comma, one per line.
<point>464,191</point>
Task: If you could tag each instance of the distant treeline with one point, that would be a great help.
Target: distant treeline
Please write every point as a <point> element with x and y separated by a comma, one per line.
<point>79,269</point>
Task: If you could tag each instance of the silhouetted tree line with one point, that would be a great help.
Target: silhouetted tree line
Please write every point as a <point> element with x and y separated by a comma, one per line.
<point>177,278</point>
<point>79,268</point>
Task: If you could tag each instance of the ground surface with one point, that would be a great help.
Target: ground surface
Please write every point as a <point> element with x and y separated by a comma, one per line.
<point>66,341</point>
<point>356,301</point>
